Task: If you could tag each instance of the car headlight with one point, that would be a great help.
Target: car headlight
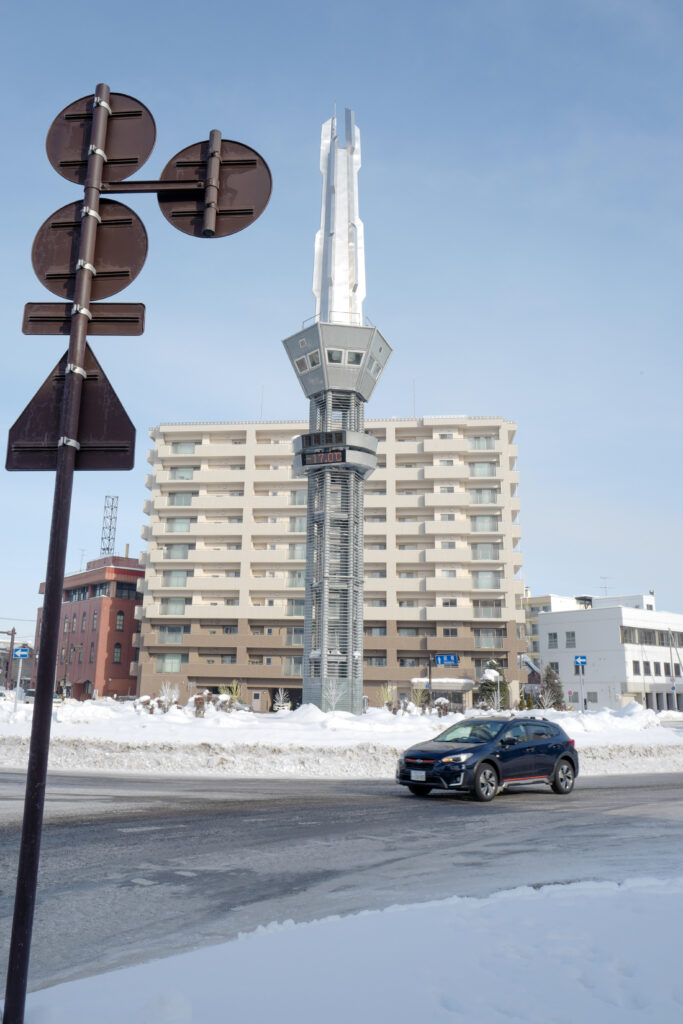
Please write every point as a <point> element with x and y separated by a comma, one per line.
<point>400,763</point>
<point>455,758</point>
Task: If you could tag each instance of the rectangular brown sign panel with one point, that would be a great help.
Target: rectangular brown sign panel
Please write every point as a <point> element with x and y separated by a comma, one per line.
<point>108,318</point>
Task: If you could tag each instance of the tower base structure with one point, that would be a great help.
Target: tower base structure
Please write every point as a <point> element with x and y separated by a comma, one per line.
<point>338,366</point>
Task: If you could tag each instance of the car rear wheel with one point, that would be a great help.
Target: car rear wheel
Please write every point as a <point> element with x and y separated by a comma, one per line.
<point>420,790</point>
<point>563,779</point>
<point>485,782</point>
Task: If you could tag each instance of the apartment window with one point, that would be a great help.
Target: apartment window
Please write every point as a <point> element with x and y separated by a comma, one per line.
<point>73,623</point>
<point>677,670</point>
<point>406,574</point>
<point>485,552</point>
<point>375,661</point>
<point>446,490</point>
<point>483,468</point>
<point>173,606</point>
<point>484,496</point>
<point>84,620</point>
<point>592,696</point>
<point>229,629</point>
<point>66,623</point>
<point>445,437</point>
<point>297,524</point>
<point>91,655</point>
<point>183,472</point>
<point>182,497</point>
<point>448,572</point>
<point>298,497</point>
<point>171,662</point>
<point>295,607</point>
<point>450,631</point>
<point>450,602</point>
<point>180,525</point>
<point>117,654</point>
<point>175,577</point>
<point>178,550</point>
<point>487,609</point>
<point>484,524</point>
<point>404,604</point>
<point>658,668</point>
<point>172,634</point>
<point>377,574</point>
<point>409,662</point>
<point>228,659</point>
<point>482,442</point>
<point>94,622</point>
<point>445,462</point>
<point>80,655</point>
<point>646,668</point>
<point>377,602</point>
<point>636,668</point>
<point>447,517</point>
<point>119,622</point>
<point>552,640</point>
<point>570,638</point>
<point>183,447</point>
<point>483,580</point>
<point>449,544</point>
<point>128,591</point>
<point>628,635</point>
<point>555,666</point>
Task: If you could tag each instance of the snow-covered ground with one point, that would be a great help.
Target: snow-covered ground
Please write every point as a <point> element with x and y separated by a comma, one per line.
<point>113,736</point>
<point>590,951</point>
<point>593,952</point>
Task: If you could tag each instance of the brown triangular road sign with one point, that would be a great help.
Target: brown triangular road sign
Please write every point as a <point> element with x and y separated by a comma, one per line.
<point>106,435</point>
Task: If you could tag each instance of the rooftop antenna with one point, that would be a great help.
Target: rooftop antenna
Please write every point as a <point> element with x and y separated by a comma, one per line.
<point>111,511</point>
<point>604,586</point>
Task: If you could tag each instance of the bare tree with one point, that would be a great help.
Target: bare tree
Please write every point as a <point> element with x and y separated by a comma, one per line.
<point>333,691</point>
<point>281,701</point>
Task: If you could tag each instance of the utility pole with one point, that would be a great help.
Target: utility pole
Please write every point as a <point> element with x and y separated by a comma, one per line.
<point>11,633</point>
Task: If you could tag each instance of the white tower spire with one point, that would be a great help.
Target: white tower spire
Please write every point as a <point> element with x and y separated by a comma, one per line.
<point>339,267</point>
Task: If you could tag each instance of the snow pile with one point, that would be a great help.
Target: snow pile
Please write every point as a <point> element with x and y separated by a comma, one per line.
<point>588,951</point>
<point>117,736</point>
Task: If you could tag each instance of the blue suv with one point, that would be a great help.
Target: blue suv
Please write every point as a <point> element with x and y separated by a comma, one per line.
<point>483,756</point>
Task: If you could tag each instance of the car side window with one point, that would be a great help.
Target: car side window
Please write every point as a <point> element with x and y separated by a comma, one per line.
<point>518,731</point>
<point>540,732</point>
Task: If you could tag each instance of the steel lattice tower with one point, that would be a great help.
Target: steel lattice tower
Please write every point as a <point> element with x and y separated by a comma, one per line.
<point>111,511</point>
<point>338,362</point>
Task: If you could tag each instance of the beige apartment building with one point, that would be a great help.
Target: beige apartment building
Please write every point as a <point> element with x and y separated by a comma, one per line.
<point>223,592</point>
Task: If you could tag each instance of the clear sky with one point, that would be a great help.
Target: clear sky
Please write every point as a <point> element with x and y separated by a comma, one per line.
<point>522,194</point>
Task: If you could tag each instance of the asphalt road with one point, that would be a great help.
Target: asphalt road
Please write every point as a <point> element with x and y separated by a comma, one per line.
<point>135,868</point>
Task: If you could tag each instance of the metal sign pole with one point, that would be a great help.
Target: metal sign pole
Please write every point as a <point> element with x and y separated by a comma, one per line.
<point>36,777</point>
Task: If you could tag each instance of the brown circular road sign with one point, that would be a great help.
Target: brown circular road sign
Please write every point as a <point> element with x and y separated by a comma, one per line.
<point>130,138</point>
<point>244,189</point>
<point>120,250</point>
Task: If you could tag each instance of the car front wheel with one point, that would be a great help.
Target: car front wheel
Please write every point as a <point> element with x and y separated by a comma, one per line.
<point>563,779</point>
<point>420,790</point>
<point>485,782</point>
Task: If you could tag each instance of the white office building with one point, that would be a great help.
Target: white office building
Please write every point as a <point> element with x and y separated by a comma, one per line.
<point>631,650</point>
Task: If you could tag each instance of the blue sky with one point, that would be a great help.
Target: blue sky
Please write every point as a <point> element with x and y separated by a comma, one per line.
<point>522,194</point>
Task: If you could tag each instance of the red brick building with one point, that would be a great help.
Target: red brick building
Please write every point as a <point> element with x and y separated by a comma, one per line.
<point>97,627</point>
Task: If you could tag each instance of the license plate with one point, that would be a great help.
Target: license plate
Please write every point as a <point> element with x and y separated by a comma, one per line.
<point>417,776</point>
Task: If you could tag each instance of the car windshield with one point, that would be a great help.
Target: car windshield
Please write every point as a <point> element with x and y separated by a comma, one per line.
<point>471,732</point>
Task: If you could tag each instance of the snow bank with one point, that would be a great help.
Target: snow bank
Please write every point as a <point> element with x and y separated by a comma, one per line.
<point>112,736</point>
<point>589,951</point>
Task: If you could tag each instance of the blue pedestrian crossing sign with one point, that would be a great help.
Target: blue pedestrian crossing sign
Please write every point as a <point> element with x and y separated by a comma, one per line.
<point>20,652</point>
<point>579,659</point>
<point>446,659</point>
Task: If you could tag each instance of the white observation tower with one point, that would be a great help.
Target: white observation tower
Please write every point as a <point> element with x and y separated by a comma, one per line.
<point>338,361</point>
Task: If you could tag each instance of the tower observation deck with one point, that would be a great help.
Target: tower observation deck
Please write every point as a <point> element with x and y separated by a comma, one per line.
<point>338,361</point>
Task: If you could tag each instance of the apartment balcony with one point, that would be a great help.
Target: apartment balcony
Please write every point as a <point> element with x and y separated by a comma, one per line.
<point>278,557</point>
<point>453,446</point>
<point>447,474</point>
<point>405,528</point>
<point>200,529</point>
<point>447,527</point>
<point>281,531</point>
<point>226,586</point>
<point>490,643</point>
<point>442,501</point>
<point>272,586</point>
